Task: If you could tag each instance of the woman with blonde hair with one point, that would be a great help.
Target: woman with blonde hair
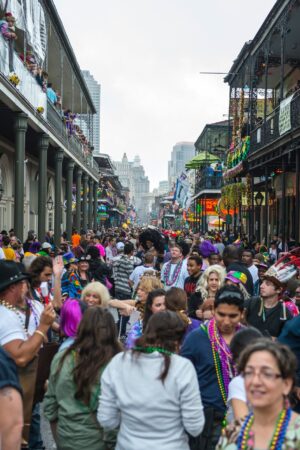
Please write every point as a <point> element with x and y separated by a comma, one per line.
<point>96,294</point>
<point>146,285</point>
<point>211,281</point>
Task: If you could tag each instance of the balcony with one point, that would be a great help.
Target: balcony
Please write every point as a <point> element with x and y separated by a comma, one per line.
<point>28,86</point>
<point>73,143</point>
<point>269,131</point>
<point>209,183</point>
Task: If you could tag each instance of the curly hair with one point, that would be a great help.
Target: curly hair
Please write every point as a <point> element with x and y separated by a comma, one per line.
<point>100,290</point>
<point>36,268</point>
<point>202,285</point>
<point>148,284</point>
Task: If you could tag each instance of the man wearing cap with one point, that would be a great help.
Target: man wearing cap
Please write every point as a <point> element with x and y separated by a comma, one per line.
<point>239,279</point>
<point>45,249</point>
<point>231,260</point>
<point>268,313</point>
<point>23,326</point>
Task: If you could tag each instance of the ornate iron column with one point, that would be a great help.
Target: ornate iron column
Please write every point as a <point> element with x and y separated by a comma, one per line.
<point>42,187</point>
<point>84,202</point>
<point>69,187</point>
<point>283,215</point>
<point>78,199</point>
<point>59,156</point>
<point>266,216</point>
<point>297,221</point>
<point>95,212</point>
<point>20,128</point>
<point>90,211</point>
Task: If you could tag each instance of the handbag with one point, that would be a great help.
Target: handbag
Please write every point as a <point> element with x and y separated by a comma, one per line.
<point>46,355</point>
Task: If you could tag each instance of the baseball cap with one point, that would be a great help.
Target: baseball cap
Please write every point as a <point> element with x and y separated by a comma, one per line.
<point>236,277</point>
<point>46,245</point>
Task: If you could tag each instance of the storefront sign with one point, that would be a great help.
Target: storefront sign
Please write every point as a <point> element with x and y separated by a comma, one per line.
<point>285,115</point>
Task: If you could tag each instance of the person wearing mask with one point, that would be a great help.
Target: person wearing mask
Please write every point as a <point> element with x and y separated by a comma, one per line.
<point>147,382</point>
<point>174,272</point>
<point>208,349</point>
<point>231,260</point>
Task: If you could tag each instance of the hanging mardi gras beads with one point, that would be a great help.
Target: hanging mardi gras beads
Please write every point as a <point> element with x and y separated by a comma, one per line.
<point>175,273</point>
<point>245,439</point>
<point>222,356</point>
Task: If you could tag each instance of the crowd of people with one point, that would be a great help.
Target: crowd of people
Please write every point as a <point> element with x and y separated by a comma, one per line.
<point>145,339</point>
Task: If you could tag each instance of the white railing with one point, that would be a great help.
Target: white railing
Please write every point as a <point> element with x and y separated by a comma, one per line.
<point>28,85</point>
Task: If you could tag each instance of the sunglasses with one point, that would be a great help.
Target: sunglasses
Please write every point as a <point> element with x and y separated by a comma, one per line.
<point>84,258</point>
<point>231,295</point>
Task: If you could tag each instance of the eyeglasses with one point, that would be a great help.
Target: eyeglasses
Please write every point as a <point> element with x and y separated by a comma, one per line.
<point>264,375</point>
<point>297,293</point>
<point>229,295</point>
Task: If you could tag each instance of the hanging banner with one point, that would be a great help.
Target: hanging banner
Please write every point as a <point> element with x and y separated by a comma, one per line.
<point>285,115</point>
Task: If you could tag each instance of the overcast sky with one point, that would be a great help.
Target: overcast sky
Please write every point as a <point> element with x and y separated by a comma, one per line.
<point>147,55</point>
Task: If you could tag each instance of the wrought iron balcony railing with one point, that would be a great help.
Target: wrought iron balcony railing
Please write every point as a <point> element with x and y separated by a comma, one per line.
<point>206,183</point>
<point>269,131</point>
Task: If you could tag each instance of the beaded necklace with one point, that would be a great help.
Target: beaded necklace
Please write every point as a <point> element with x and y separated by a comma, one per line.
<point>152,350</point>
<point>175,273</point>
<point>16,311</point>
<point>223,362</point>
<point>245,439</point>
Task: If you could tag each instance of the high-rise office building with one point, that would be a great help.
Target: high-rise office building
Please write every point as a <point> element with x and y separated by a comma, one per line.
<point>182,153</point>
<point>132,175</point>
<point>95,90</point>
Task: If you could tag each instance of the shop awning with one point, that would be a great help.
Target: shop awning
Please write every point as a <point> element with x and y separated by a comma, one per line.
<point>202,159</point>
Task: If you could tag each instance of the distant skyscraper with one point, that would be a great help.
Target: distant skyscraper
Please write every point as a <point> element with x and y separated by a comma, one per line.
<point>95,90</point>
<point>163,187</point>
<point>182,153</point>
<point>132,175</point>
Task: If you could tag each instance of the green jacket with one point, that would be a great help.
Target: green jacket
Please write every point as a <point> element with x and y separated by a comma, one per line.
<point>77,426</point>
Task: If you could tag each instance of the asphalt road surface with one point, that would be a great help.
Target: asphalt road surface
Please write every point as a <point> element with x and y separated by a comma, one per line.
<point>46,433</point>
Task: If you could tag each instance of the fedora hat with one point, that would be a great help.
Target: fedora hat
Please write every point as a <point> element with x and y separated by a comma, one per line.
<point>10,273</point>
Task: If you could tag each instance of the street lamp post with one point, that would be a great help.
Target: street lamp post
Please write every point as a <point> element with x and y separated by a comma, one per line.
<point>258,202</point>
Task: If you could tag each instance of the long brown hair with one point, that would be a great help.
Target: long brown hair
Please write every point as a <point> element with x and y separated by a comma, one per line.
<point>176,300</point>
<point>96,344</point>
<point>166,330</point>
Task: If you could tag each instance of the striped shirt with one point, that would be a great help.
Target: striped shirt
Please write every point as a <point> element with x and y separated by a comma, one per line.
<point>122,271</point>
